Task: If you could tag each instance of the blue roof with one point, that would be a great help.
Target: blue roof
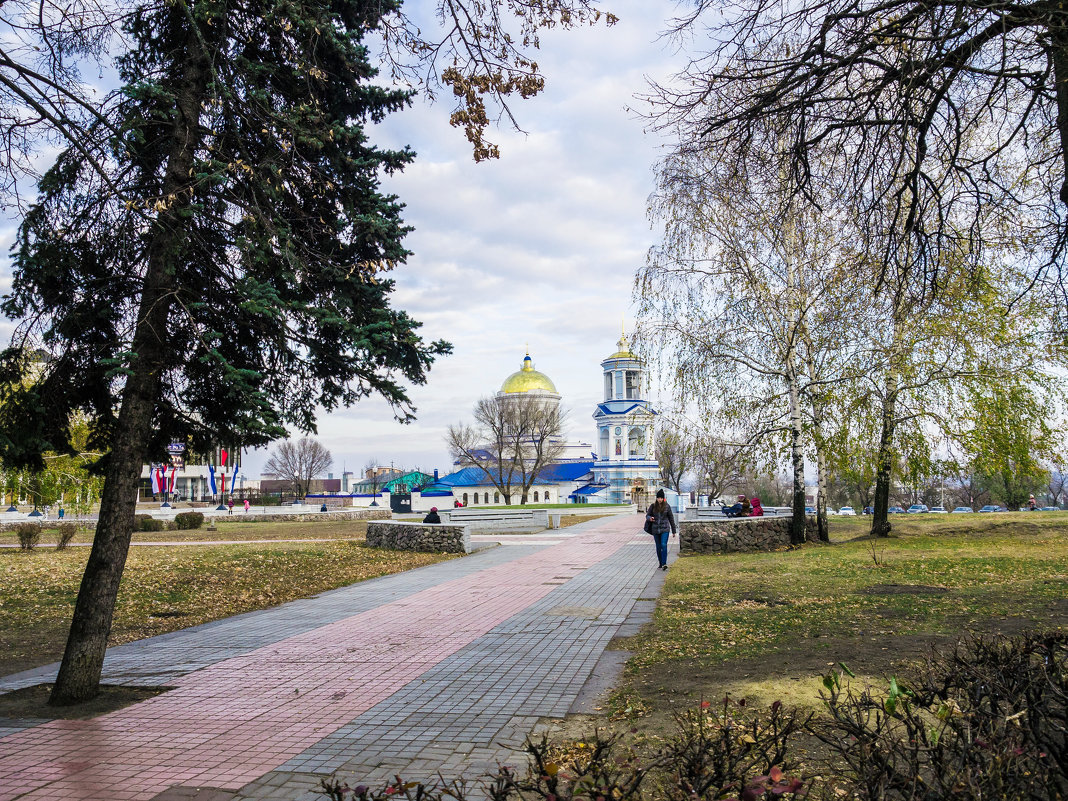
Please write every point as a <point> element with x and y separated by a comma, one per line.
<point>550,474</point>
<point>622,407</point>
<point>466,477</point>
<point>564,471</point>
<point>589,489</point>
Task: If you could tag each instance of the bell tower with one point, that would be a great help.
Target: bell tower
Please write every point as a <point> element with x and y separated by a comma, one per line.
<point>626,430</point>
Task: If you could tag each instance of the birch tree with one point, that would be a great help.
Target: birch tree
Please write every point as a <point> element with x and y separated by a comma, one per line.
<point>733,290</point>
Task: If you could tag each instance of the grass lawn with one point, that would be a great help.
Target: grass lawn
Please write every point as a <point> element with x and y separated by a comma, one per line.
<point>768,626</point>
<point>235,529</point>
<point>169,588</point>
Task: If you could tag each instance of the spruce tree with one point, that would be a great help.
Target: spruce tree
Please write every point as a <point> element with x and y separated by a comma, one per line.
<point>226,276</point>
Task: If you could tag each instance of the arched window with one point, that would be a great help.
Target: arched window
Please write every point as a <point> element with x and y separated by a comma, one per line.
<point>535,496</point>
<point>485,497</point>
<point>496,497</point>
<point>465,499</point>
<point>636,442</point>
<point>475,498</point>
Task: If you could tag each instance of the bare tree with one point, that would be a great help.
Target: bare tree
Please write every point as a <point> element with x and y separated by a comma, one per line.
<point>674,454</point>
<point>373,477</point>
<point>1058,483</point>
<point>514,437</point>
<point>718,464</point>
<point>944,121</point>
<point>299,462</point>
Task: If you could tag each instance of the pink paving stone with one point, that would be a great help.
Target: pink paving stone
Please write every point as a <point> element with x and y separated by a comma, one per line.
<point>201,732</point>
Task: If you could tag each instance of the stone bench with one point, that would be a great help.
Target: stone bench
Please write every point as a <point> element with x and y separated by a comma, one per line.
<point>501,519</point>
<point>426,537</point>
<point>739,534</point>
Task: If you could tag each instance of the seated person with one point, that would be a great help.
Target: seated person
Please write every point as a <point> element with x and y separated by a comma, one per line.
<point>433,516</point>
<point>739,509</point>
<point>758,510</point>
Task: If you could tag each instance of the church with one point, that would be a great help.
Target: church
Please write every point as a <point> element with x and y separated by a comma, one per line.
<point>621,469</point>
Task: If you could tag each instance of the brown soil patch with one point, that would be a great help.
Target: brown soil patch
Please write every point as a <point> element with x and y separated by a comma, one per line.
<point>31,703</point>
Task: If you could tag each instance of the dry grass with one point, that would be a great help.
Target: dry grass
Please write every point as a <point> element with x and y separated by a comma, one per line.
<point>168,588</point>
<point>767,626</point>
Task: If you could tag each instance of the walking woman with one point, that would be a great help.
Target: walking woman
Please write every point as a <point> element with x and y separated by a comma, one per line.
<point>661,523</point>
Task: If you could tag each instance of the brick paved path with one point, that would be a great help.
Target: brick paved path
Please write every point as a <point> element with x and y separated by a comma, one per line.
<point>443,669</point>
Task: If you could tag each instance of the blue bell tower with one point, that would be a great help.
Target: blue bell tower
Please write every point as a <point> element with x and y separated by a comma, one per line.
<point>626,431</point>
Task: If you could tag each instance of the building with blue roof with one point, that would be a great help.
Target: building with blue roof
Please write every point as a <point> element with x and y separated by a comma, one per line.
<point>623,469</point>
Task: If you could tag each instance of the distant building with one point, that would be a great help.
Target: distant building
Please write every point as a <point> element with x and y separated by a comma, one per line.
<point>624,468</point>
<point>626,431</point>
<point>187,474</point>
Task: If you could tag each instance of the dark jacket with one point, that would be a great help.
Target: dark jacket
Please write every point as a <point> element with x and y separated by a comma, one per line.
<point>662,521</point>
<point>432,517</point>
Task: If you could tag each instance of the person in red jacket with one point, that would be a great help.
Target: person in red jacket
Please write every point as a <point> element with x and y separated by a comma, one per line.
<point>757,510</point>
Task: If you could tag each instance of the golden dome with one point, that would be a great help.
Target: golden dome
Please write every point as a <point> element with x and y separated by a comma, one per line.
<point>624,350</point>
<point>527,379</point>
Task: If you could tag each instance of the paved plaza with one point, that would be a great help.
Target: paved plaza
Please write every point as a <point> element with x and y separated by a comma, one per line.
<point>446,669</point>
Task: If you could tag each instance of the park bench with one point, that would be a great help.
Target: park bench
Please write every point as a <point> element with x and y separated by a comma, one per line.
<point>497,519</point>
<point>716,513</point>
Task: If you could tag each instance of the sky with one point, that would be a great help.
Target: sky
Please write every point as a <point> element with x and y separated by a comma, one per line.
<point>536,249</point>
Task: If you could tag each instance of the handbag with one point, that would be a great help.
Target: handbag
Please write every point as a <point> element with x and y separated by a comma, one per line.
<point>648,526</point>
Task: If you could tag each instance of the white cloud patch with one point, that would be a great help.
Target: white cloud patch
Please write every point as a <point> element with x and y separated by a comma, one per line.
<point>539,247</point>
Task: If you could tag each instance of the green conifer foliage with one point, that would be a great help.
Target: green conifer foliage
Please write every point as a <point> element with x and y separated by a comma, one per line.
<point>227,277</point>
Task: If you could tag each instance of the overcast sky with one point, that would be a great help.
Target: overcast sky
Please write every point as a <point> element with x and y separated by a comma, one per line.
<point>539,247</point>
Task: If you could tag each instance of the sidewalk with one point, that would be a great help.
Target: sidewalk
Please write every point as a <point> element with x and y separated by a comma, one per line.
<point>447,668</point>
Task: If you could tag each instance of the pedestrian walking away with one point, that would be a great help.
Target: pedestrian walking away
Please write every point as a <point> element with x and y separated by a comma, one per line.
<point>230,506</point>
<point>660,522</point>
<point>246,505</point>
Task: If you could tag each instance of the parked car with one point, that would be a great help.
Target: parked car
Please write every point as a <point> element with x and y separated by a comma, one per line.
<point>991,507</point>
<point>810,510</point>
<point>963,510</point>
<point>939,510</point>
<point>918,508</point>
<point>895,510</point>
<point>847,511</point>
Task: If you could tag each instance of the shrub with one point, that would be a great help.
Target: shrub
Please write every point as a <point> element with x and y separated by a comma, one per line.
<point>716,754</point>
<point>66,534</point>
<point>188,520</point>
<point>987,720</point>
<point>149,523</point>
<point>29,535</point>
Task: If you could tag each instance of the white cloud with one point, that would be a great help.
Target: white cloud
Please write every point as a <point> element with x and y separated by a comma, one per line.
<point>538,247</point>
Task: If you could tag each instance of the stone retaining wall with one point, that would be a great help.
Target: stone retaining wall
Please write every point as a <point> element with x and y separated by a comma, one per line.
<point>739,535</point>
<point>426,537</point>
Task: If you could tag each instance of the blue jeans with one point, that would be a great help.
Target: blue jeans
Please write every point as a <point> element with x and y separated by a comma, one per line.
<point>661,547</point>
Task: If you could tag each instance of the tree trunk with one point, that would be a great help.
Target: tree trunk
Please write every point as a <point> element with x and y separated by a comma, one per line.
<point>797,460</point>
<point>83,659</point>
<point>880,524</point>
<point>822,528</point>
<point>1059,50</point>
